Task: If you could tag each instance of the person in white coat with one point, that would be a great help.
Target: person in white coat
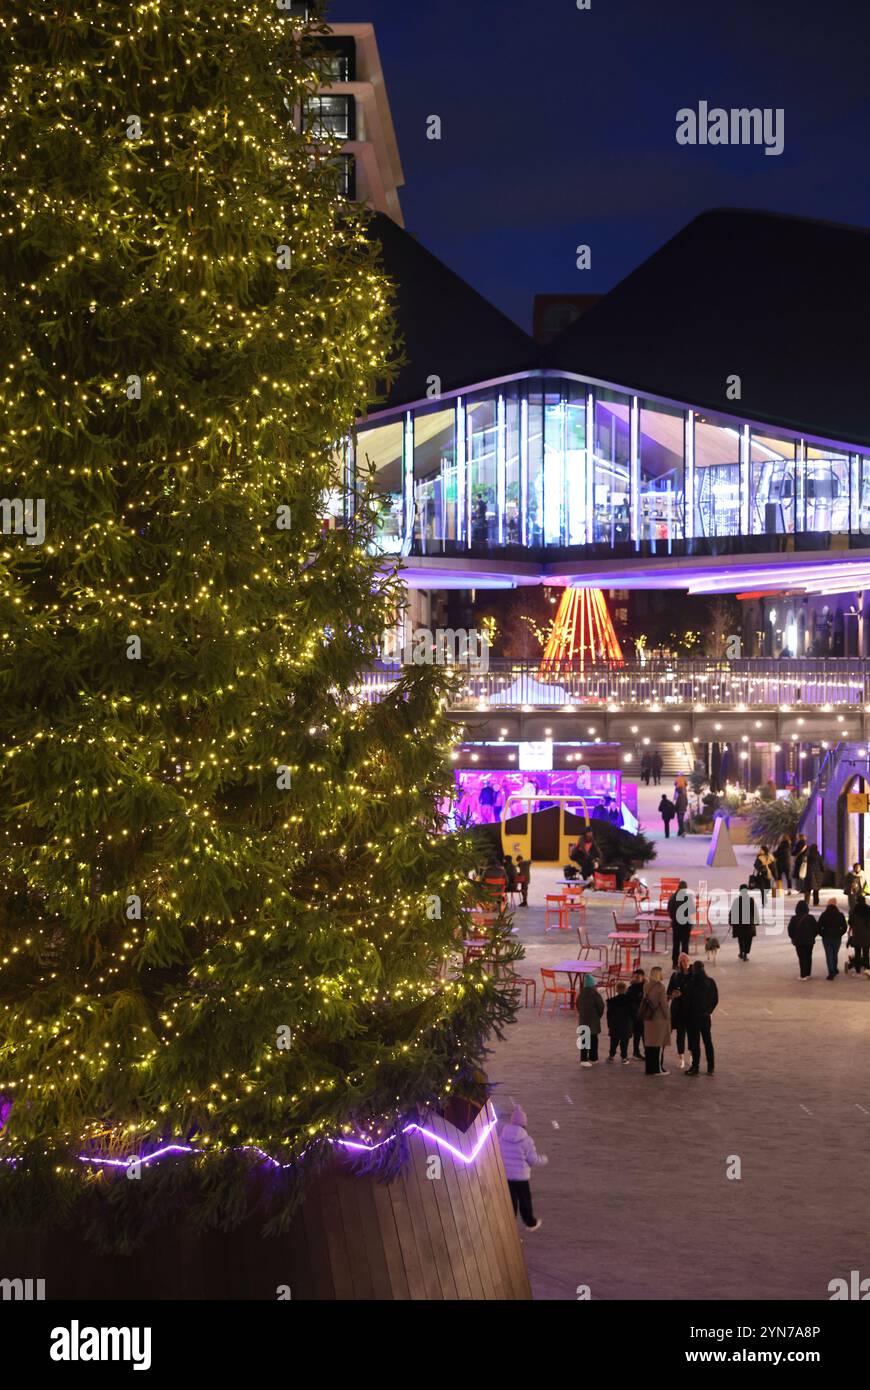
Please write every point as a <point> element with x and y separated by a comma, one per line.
<point>519,1156</point>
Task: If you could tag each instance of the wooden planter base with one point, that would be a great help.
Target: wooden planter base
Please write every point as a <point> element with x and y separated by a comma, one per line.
<point>421,1236</point>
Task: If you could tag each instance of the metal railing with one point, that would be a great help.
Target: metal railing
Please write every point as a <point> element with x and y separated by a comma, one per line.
<point>808,683</point>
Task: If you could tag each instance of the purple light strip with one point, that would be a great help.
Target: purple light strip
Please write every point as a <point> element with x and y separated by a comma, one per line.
<point>356,1145</point>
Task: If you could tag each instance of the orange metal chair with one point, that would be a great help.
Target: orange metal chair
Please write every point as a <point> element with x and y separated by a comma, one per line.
<point>604,883</point>
<point>634,892</point>
<point>556,903</point>
<point>523,983</point>
<point>666,888</point>
<point>548,979</point>
<point>611,979</point>
<point>585,946</point>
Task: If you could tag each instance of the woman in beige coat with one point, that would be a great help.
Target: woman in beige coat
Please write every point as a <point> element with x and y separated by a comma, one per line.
<point>656,1014</point>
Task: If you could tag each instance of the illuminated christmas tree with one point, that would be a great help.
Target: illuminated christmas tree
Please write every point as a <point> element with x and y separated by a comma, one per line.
<point>582,633</point>
<point>226,894</point>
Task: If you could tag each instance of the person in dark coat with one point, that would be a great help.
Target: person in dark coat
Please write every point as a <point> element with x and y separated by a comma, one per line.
<point>667,811</point>
<point>656,767</point>
<point>634,994</point>
<point>859,935</point>
<point>677,985</point>
<point>832,929</point>
<point>815,873</point>
<point>590,1007</point>
<point>803,930</point>
<point>799,851</point>
<point>619,1022</point>
<point>701,998</point>
<point>510,874</point>
<point>782,859</point>
<point>742,917</point>
<point>681,910</point>
<point>524,877</point>
<point>645,768</point>
<point>681,806</point>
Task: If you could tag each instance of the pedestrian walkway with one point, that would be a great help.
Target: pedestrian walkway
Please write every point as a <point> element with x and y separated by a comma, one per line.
<point>636,1201</point>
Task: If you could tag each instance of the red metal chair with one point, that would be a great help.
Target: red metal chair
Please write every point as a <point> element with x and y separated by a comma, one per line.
<point>556,903</point>
<point>548,979</point>
<point>604,883</point>
<point>585,946</point>
<point>611,979</point>
<point>667,887</point>
<point>634,892</point>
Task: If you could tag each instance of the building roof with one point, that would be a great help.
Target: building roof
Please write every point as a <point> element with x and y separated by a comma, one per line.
<point>446,329</point>
<point>782,302</point>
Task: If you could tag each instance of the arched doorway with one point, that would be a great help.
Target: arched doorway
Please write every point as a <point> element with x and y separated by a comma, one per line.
<point>853,828</point>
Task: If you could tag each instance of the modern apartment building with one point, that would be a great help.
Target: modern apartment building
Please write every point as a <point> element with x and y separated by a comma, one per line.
<point>354,109</point>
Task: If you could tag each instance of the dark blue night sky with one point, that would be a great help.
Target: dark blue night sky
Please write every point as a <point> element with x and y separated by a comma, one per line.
<point>559,126</point>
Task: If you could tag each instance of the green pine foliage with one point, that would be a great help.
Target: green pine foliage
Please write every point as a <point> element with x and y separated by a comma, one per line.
<point>226,893</point>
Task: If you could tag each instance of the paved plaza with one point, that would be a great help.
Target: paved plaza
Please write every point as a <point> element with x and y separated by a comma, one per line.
<point>636,1201</point>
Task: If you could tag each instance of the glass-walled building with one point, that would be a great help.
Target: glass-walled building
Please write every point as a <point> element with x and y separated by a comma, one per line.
<point>548,461</point>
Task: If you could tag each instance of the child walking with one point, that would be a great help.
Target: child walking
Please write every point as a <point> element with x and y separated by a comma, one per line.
<point>519,1156</point>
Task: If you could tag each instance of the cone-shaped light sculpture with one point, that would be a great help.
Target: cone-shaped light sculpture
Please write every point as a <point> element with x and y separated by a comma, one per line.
<point>582,634</point>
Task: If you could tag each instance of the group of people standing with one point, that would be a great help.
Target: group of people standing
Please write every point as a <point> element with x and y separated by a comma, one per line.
<point>648,1012</point>
<point>678,807</point>
<point>793,862</point>
<point>651,767</point>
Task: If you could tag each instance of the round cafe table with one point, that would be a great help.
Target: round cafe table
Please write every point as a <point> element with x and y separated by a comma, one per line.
<point>573,968</point>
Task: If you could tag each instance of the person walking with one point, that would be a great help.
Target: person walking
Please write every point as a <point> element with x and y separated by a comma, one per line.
<point>859,935</point>
<point>764,870</point>
<point>832,929</point>
<point>590,1007</point>
<point>803,930</point>
<point>645,769</point>
<point>524,876</point>
<point>701,998</point>
<point>677,997</point>
<point>742,918</point>
<point>815,873</point>
<point>799,871</point>
<point>681,910</point>
<point>656,767</point>
<point>681,805</point>
<point>634,994</point>
<point>656,1014</point>
<point>667,811</point>
<point>519,1157</point>
<point>856,885</point>
<point>619,1022</point>
<point>782,858</point>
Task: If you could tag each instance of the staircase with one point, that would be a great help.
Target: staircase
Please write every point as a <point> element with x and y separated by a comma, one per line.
<point>676,758</point>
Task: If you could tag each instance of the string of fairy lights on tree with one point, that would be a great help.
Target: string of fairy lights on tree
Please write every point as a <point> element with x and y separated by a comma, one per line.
<point>207,837</point>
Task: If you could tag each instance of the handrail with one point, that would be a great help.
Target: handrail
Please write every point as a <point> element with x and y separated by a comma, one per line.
<point>751,682</point>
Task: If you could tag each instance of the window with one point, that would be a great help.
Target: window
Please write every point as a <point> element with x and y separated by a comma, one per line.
<point>345,168</point>
<point>826,490</point>
<point>512,509</point>
<point>611,476</point>
<point>482,452</point>
<point>773,499</point>
<point>437,494</point>
<point>381,446</point>
<point>860,523</point>
<point>660,446</point>
<point>330,117</point>
<point>717,478</point>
